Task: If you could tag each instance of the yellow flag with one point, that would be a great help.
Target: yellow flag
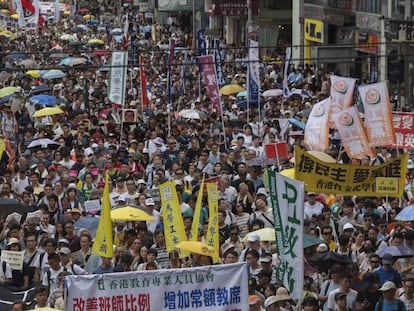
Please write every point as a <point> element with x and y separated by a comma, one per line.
<point>196,219</point>
<point>2,147</point>
<point>171,214</point>
<point>212,236</point>
<point>103,244</point>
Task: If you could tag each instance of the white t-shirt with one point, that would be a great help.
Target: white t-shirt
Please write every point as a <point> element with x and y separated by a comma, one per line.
<point>51,282</point>
<point>5,273</point>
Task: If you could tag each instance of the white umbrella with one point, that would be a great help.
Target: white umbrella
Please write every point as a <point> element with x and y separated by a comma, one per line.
<point>407,213</point>
<point>192,114</point>
<point>273,93</point>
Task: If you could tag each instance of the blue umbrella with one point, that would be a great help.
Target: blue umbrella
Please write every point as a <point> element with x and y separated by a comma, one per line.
<point>90,223</point>
<point>396,251</point>
<point>41,88</point>
<point>244,94</point>
<point>407,214</point>
<point>54,74</point>
<point>76,29</point>
<point>44,100</point>
<point>92,22</point>
<point>5,99</point>
<point>17,56</point>
<point>297,123</point>
<point>243,104</point>
<point>65,61</point>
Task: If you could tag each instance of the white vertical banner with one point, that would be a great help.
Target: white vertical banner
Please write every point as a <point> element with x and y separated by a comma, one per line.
<point>117,77</point>
<point>57,11</point>
<point>19,10</point>
<point>254,75</point>
<point>287,199</point>
<point>286,91</point>
<point>33,20</point>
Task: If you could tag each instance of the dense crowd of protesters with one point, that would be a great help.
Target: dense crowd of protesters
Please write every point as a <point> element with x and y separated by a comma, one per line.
<point>55,181</point>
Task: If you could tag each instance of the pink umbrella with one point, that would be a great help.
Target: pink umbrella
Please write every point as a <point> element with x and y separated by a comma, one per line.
<point>273,93</point>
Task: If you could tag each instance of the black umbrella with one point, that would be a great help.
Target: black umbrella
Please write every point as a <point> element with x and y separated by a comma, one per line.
<point>8,206</point>
<point>325,260</point>
<point>41,88</point>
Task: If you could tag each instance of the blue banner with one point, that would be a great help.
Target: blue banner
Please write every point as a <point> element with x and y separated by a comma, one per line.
<point>254,76</point>
<point>201,43</point>
<point>219,61</point>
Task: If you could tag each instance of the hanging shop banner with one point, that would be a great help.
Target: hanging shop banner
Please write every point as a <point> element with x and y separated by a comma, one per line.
<point>218,288</point>
<point>347,179</point>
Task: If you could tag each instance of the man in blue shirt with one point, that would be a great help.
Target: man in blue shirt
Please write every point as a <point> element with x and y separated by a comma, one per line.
<point>104,267</point>
<point>389,302</point>
<point>387,273</point>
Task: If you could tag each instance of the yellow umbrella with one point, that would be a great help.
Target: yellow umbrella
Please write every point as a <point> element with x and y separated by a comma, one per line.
<point>322,156</point>
<point>4,11</point>
<point>66,12</point>
<point>33,73</point>
<point>8,34</point>
<point>7,91</point>
<point>197,247</point>
<point>265,234</point>
<point>129,213</point>
<point>88,16</point>
<point>96,41</point>
<point>289,172</point>
<point>47,309</point>
<point>48,111</point>
<point>15,16</point>
<point>231,89</point>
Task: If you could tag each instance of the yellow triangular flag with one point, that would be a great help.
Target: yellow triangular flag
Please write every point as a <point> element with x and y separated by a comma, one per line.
<point>103,244</point>
<point>212,236</point>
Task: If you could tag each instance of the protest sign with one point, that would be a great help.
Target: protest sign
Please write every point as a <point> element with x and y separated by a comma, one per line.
<point>287,198</point>
<point>92,206</point>
<point>13,258</point>
<point>346,179</point>
<point>218,288</point>
<point>404,129</point>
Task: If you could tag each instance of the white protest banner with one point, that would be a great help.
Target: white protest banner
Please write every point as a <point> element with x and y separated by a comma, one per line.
<point>218,288</point>
<point>287,196</point>
<point>13,258</point>
<point>117,77</point>
<point>92,206</point>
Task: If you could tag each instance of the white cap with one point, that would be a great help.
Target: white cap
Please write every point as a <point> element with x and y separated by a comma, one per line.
<point>348,225</point>
<point>149,201</point>
<point>410,164</point>
<point>262,191</point>
<point>253,238</point>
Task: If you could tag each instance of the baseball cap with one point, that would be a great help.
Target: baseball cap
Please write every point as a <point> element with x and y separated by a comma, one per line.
<point>262,191</point>
<point>253,238</point>
<point>387,286</point>
<point>311,193</point>
<point>265,259</point>
<point>149,201</point>
<point>65,241</point>
<point>65,251</point>
<point>254,300</point>
<point>158,141</point>
<point>51,168</point>
<point>387,259</point>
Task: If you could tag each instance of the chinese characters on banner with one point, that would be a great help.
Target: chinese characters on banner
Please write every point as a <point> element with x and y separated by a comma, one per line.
<point>103,244</point>
<point>378,118</point>
<point>173,221</point>
<point>317,131</point>
<point>219,61</point>
<point>117,77</point>
<point>254,75</point>
<point>352,132</point>
<point>210,80</point>
<point>195,226</point>
<point>404,130</point>
<point>212,236</point>
<point>346,179</point>
<point>342,90</point>
<point>218,288</point>
<point>287,196</point>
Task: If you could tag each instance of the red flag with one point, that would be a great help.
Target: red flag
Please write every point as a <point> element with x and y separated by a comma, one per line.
<point>10,151</point>
<point>143,77</point>
<point>29,6</point>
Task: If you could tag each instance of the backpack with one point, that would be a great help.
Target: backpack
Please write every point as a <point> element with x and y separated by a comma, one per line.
<point>400,305</point>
